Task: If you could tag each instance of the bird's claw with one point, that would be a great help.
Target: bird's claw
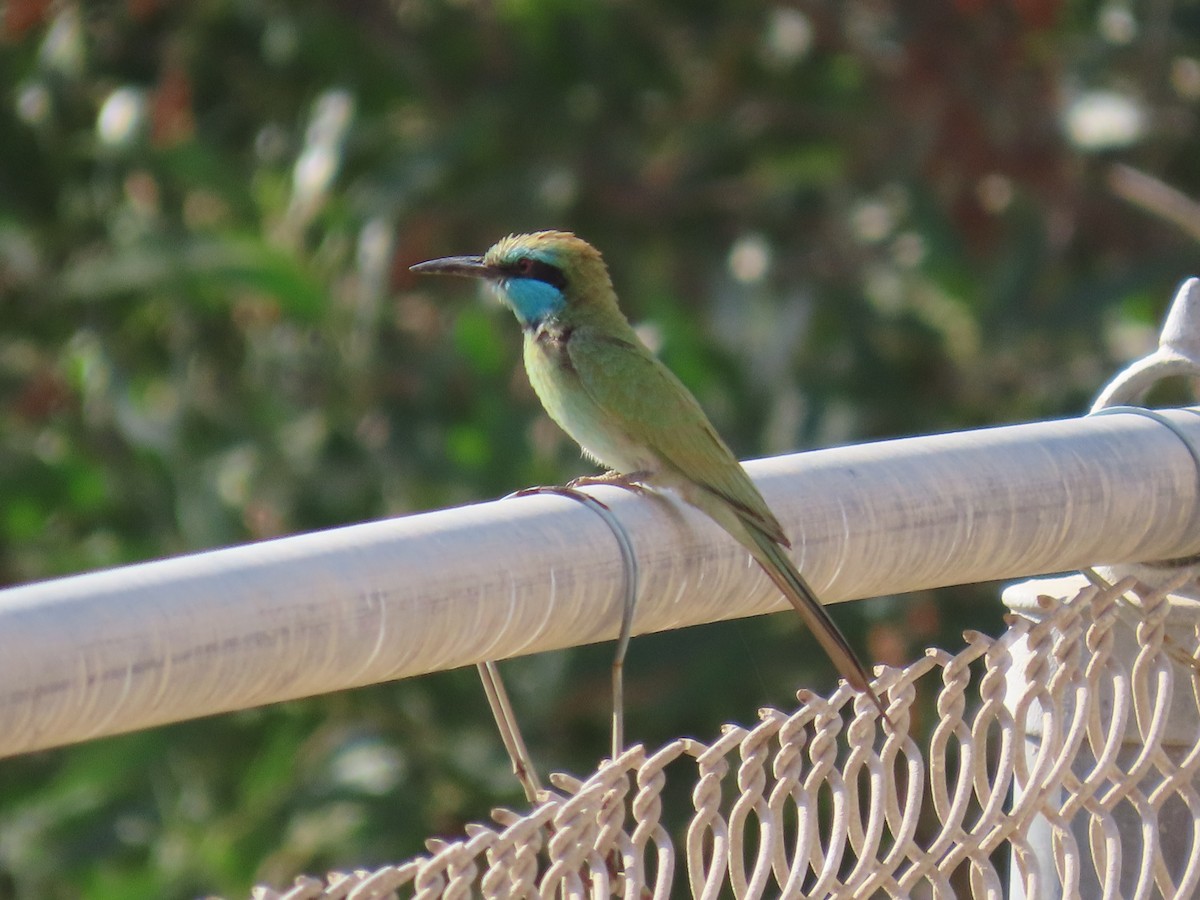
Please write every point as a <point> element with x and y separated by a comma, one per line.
<point>631,482</point>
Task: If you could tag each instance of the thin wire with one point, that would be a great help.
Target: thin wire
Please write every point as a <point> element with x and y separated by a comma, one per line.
<point>489,672</point>
<point>510,731</point>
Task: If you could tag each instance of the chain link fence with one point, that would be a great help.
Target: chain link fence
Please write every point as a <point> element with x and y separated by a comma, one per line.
<point>1057,765</point>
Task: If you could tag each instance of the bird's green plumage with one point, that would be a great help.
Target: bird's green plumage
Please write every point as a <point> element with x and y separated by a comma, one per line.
<point>627,410</point>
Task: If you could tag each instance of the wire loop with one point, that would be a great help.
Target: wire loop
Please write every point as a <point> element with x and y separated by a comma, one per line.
<point>1192,450</point>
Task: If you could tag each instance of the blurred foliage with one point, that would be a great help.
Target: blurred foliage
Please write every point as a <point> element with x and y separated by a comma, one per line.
<point>839,221</point>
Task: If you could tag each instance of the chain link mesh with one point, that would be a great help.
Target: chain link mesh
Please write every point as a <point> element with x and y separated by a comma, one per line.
<point>1065,780</point>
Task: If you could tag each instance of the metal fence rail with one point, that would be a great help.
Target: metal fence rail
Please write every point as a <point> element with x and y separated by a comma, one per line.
<point>128,648</point>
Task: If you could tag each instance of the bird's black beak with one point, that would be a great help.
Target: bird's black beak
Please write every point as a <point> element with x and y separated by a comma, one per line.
<point>467,266</point>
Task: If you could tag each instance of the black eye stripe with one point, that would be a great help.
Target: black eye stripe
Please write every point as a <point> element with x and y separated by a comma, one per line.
<point>537,270</point>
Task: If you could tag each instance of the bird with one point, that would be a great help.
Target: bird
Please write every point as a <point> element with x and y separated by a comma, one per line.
<point>628,412</point>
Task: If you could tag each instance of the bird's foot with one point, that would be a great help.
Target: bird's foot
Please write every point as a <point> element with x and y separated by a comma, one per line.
<point>631,482</point>
<point>634,481</point>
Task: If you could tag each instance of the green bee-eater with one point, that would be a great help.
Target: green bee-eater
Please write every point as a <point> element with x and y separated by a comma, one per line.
<point>627,411</point>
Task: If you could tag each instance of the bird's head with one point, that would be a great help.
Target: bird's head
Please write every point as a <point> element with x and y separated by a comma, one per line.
<point>541,276</point>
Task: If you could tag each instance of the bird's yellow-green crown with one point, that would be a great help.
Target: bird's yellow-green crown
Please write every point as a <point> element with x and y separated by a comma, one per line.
<point>580,262</point>
<point>560,248</point>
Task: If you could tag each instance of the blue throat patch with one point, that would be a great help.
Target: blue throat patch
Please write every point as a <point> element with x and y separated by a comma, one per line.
<point>532,300</point>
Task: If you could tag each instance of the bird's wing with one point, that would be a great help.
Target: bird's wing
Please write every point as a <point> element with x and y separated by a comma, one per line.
<point>653,407</point>
<point>647,401</point>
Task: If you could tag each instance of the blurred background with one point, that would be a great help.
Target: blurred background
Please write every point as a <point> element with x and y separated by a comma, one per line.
<point>836,221</point>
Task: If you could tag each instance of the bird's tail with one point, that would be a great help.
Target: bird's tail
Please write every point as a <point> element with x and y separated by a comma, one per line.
<point>776,563</point>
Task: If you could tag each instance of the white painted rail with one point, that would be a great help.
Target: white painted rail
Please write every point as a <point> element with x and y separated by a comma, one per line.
<point>114,651</point>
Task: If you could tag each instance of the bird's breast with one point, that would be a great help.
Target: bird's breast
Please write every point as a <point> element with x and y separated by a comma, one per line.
<point>564,396</point>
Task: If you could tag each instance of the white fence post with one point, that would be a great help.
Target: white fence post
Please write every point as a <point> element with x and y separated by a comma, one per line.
<point>1177,354</point>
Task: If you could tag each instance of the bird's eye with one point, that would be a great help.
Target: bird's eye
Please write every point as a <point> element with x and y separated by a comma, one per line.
<point>524,265</point>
